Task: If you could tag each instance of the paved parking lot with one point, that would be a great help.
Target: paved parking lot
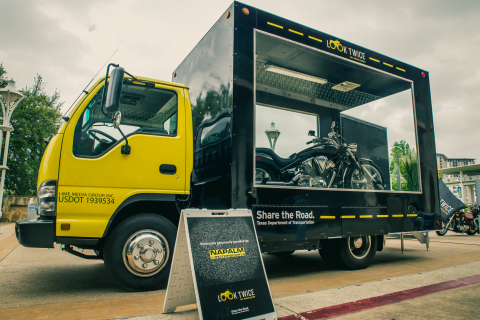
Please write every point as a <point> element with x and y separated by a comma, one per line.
<point>49,283</point>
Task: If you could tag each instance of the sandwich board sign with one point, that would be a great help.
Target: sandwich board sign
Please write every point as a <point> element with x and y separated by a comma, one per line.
<point>217,264</point>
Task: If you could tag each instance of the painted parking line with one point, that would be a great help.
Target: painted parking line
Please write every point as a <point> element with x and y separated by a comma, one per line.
<point>7,245</point>
<point>383,300</point>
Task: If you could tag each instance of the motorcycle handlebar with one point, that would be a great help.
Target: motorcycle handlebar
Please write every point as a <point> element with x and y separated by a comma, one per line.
<point>316,140</point>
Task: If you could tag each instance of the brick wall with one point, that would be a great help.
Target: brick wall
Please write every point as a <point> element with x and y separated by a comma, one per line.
<point>15,208</point>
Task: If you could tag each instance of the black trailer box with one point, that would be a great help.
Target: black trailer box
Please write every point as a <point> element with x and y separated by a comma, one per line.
<point>253,68</point>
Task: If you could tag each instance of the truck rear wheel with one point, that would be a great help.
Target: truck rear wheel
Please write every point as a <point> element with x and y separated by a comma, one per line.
<point>358,252</point>
<point>138,253</point>
<point>329,251</point>
<point>352,253</point>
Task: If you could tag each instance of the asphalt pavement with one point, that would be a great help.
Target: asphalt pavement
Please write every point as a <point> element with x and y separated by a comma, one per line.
<point>51,284</point>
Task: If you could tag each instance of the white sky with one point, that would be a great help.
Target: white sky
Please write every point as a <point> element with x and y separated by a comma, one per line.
<point>68,41</point>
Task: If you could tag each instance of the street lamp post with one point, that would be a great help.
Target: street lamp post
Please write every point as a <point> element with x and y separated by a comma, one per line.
<point>11,99</point>
<point>398,175</point>
<point>272,135</point>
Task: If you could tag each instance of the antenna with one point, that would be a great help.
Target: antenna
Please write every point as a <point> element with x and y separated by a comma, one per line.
<point>84,90</point>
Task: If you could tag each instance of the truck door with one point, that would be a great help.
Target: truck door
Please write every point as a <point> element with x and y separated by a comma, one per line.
<point>95,177</point>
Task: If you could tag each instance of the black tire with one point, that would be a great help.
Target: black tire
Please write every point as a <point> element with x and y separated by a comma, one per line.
<point>355,180</point>
<point>342,252</point>
<point>263,172</point>
<point>355,257</point>
<point>330,252</point>
<point>138,253</point>
<point>443,231</point>
<point>282,253</point>
<point>471,232</point>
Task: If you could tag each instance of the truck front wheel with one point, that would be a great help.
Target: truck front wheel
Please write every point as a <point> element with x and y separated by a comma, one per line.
<point>138,253</point>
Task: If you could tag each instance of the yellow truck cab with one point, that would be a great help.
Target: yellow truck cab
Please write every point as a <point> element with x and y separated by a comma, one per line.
<point>94,195</point>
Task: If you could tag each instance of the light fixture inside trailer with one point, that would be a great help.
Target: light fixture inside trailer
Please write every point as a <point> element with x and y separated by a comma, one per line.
<point>345,86</point>
<point>296,74</point>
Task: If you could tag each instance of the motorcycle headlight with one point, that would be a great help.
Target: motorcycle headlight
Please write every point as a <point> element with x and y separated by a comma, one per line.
<point>47,198</point>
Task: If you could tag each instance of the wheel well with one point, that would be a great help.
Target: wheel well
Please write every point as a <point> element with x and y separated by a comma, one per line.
<point>166,209</point>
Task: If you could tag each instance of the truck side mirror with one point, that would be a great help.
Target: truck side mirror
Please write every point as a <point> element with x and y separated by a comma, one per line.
<point>114,89</point>
<point>117,118</point>
<point>311,133</point>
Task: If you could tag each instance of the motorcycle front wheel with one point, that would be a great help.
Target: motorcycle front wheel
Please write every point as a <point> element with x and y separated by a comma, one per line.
<point>442,231</point>
<point>356,179</point>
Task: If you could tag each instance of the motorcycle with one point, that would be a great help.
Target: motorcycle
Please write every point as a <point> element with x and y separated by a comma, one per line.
<point>329,163</point>
<point>461,222</point>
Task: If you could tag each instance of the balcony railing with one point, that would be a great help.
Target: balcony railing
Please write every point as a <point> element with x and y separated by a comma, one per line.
<point>465,179</point>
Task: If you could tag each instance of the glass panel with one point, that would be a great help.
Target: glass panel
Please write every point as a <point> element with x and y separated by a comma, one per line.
<point>283,131</point>
<point>395,114</point>
<point>144,110</point>
<point>356,119</point>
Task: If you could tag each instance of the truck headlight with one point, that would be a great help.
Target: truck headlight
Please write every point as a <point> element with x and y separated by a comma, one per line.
<point>47,198</point>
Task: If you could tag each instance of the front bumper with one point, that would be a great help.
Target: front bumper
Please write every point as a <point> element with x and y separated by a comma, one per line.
<point>35,234</point>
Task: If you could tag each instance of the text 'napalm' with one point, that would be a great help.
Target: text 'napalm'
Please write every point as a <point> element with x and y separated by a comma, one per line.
<point>227,253</point>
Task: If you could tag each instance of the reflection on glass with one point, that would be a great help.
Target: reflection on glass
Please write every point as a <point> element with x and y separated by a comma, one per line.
<point>293,128</point>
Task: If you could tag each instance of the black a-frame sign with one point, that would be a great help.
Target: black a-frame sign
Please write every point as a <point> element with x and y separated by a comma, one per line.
<point>217,264</point>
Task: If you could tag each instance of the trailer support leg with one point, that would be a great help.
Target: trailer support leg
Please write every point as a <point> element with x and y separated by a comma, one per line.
<point>428,240</point>
<point>402,241</point>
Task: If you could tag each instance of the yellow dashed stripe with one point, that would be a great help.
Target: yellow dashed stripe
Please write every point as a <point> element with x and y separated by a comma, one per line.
<point>275,25</point>
<point>348,217</point>
<point>411,215</point>
<point>388,64</point>
<point>382,216</point>
<point>400,69</point>
<point>327,217</point>
<point>397,215</point>
<point>295,32</point>
<point>374,59</point>
<point>366,216</point>
<point>315,39</point>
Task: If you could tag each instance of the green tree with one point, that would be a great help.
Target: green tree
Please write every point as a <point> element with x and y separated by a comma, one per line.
<point>408,166</point>
<point>34,121</point>
<point>3,80</point>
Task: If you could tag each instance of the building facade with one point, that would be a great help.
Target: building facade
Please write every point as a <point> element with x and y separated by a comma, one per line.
<point>443,162</point>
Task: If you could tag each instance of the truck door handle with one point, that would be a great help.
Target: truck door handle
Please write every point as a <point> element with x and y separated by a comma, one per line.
<point>168,169</point>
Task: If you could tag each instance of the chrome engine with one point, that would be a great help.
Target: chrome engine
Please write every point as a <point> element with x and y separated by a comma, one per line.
<point>316,172</point>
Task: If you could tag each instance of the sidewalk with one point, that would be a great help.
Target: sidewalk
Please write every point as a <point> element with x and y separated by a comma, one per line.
<point>459,303</point>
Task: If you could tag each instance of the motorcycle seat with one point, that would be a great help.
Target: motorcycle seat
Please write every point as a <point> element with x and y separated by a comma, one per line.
<point>281,162</point>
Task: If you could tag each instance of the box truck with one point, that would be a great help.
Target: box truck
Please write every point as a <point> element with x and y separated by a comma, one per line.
<point>263,114</point>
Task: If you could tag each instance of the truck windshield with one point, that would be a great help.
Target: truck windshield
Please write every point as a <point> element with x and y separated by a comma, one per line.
<point>144,110</point>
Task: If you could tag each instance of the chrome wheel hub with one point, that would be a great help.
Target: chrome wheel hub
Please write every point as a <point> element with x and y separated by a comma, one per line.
<point>145,253</point>
<point>359,247</point>
<point>358,242</point>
